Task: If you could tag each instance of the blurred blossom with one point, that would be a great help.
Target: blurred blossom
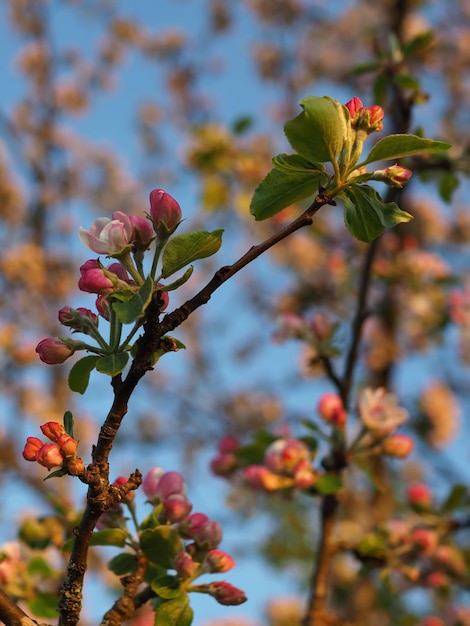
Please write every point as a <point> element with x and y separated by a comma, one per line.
<point>10,560</point>
<point>399,446</point>
<point>379,411</point>
<point>285,611</point>
<point>283,455</point>
<point>419,495</point>
<point>439,406</point>
<point>331,409</point>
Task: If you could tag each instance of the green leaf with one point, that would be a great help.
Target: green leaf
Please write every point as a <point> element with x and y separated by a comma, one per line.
<point>121,564</point>
<point>455,498</point>
<point>295,163</point>
<point>328,483</point>
<point>39,566</point>
<point>68,423</point>
<point>366,215</point>
<point>79,375</point>
<point>423,40</point>
<point>160,545</point>
<point>448,183</point>
<point>56,474</point>
<point>320,131</point>
<point>175,612</point>
<point>369,473</point>
<point>109,537</point>
<point>167,587</point>
<point>177,283</point>
<point>397,146</point>
<point>44,605</point>
<point>130,311</point>
<point>184,249</point>
<point>281,188</point>
<point>112,364</point>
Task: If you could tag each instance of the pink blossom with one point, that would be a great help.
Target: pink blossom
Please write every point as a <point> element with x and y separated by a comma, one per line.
<point>207,535</point>
<point>67,445</point>
<point>425,539</point>
<point>283,455</point>
<point>304,475</point>
<point>261,477</point>
<point>170,483</point>
<point>321,325</point>
<point>10,559</point>
<point>75,466</point>
<point>224,464</point>
<point>228,443</point>
<point>395,175</point>
<point>192,525</point>
<point>109,236</point>
<point>369,118</point>
<point>54,350</point>
<point>143,232</point>
<point>77,319</point>
<point>165,212</point>
<point>103,281</point>
<point>379,411</point>
<point>150,482</point>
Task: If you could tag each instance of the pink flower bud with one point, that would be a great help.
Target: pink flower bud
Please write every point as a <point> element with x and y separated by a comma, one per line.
<point>304,475</point>
<point>184,565</point>
<point>77,319</point>
<point>54,351</point>
<point>425,539</point>
<point>379,411</point>
<point>176,508</point>
<point>224,464</point>
<point>399,446</point>
<point>218,561</point>
<point>330,408</point>
<point>369,119</point>
<point>32,446</point>
<point>163,297</point>
<point>165,212</point>
<point>170,483</point>
<point>283,455</point>
<point>143,232</point>
<point>109,236</point>
<point>67,444</point>
<point>395,175</point>
<point>208,535</point>
<point>150,482</point>
<point>50,456</point>
<point>227,444</point>
<point>354,106</point>
<point>192,525</point>
<point>93,279</point>
<point>102,306</point>
<point>291,326</point>
<point>419,495</point>
<point>226,594</point>
<point>52,430</point>
<point>438,580</point>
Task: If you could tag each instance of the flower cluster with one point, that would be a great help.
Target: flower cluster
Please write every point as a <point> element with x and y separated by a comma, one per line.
<point>125,239</point>
<point>199,536</point>
<point>62,453</point>
<point>369,118</point>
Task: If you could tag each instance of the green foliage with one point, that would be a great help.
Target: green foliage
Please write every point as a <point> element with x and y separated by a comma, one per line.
<point>160,545</point>
<point>133,309</point>
<point>44,605</point>
<point>176,612</point>
<point>328,484</point>
<point>166,586</point>
<point>121,564</point>
<point>68,423</point>
<point>457,496</point>
<point>184,249</point>
<point>366,215</point>
<point>397,146</point>
<point>112,364</point>
<point>79,375</point>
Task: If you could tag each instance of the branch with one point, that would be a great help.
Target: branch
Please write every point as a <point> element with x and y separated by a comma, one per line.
<point>11,614</point>
<point>125,606</point>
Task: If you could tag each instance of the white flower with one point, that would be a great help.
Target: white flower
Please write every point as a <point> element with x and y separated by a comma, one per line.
<point>379,411</point>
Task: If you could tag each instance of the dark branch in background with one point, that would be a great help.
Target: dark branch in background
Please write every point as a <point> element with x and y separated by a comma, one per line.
<point>100,495</point>
<point>11,614</point>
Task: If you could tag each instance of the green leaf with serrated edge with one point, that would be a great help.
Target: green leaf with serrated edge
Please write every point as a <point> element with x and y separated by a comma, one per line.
<point>320,131</point>
<point>175,612</point>
<point>109,537</point>
<point>112,364</point>
<point>296,163</point>
<point>180,281</point>
<point>280,189</point>
<point>68,423</point>
<point>397,146</point>
<point>328,484</point>
<point>79,375</point>
<point>121,564</point>
<point>160,545</point>
<point>184,249</point>
<point>167,587</point>
<point>130,311</point>
<point>455,498</point>
<point>366,215</point>
<point>44,605</point>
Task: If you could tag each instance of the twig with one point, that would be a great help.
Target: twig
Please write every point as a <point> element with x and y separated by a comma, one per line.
<point>11,614</point>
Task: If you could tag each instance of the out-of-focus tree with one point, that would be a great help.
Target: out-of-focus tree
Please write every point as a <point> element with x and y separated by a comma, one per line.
<point>399,306</point>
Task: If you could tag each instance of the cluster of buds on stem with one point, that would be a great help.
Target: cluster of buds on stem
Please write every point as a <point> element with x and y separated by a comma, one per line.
<point>200,536</point>
<point>62,453</point>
